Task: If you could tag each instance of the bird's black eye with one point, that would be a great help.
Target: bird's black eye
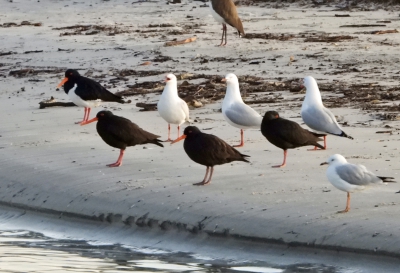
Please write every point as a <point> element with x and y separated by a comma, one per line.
<point>102,114</point>
<point>190,132</point>
<point>168,79</point>
<point>70,73</point>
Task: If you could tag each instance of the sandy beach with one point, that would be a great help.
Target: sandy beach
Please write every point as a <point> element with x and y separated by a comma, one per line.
<point>51,165</point>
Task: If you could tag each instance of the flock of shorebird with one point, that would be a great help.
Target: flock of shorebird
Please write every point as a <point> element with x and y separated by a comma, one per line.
<point>209,150</point>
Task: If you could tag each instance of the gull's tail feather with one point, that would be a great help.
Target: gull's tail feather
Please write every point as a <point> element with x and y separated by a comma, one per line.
<point>343,134</point>
<point>387,179</point>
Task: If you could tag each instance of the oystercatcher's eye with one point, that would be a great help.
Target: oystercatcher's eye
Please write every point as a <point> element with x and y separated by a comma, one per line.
<point>102,114</point>
<point>70,73</point>
<point>190,132</point>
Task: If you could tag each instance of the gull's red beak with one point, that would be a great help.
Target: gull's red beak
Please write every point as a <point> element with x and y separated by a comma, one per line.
<point>302,84</point>
<point>89,121</point>
<point>62,82</point>
<point>179,139</point>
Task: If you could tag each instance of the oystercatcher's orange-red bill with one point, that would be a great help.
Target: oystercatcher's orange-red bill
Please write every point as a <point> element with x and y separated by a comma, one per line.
<point>62,82</point>
<point>179,139</point>
<point>89,121</point>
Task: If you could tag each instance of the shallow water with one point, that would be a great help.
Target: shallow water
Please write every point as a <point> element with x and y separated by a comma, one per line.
<point>25,251</point>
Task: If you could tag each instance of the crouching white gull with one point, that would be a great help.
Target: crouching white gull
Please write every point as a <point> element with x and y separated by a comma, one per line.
<point>350,177</point>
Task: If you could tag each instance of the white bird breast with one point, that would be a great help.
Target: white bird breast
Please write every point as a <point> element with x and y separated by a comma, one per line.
<point>80,102</point>
<point>216,16</point>
<point>171,110</point>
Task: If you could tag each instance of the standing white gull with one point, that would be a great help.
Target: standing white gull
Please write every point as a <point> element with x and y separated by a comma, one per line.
<point>315,115</point>
<point>350,177</point>
<point>224,12</point>
<point>171,107</point>
<point>235,112</point>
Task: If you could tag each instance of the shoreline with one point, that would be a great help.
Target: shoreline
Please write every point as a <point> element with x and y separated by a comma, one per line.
<point>200,247</point>
<point>50,164</point>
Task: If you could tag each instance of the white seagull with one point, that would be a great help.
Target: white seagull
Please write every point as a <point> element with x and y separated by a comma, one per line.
<point>171,107</point>
<point>235,112</point>
<point>350,177</point>
<point>315,115</point>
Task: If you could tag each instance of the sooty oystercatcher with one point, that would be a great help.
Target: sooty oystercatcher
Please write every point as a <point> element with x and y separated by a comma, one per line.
<point>350,177</point>
<point>171,107</point>
<point>85,92</point>
<point>120,132</point>
<point>235,112</point>
<point>315,115</point>
<point>287,134</point>
<point>208,150</point>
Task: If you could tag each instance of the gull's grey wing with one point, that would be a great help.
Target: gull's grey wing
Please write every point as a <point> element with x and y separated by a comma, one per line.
<point>356,175</point>
<point>242,114</point>
<point>321,119</point>
<point>185,109</point>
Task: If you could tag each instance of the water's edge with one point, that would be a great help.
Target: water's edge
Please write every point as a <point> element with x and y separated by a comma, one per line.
<point>170,235</point>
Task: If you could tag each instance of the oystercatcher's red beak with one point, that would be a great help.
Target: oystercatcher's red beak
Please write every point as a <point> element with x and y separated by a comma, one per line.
<point>62,82</point>
<point>179,139</point>
<point>89,121</point>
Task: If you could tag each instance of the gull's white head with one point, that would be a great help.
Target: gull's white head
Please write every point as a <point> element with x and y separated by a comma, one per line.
<point>335,159</point>
<point>170,79</point>
<point>310,83</point>
<point>231,79</point>
<point>313,96</point>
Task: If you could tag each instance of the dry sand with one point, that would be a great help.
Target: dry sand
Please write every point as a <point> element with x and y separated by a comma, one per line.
<point>50,164</point>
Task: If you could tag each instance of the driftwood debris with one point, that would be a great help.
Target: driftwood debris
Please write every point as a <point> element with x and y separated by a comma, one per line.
<point>7,53</point>
<point>23,23</point>
<point>52,103</point>
<point>146,106</point>
<point>329,39</point>
<point>25,72</point>
<point>33,51</point>
<point>172,43</point>
<point>269,36</point>
<point>342,15</point>
<point>385,31</point>
<point>364,25</point>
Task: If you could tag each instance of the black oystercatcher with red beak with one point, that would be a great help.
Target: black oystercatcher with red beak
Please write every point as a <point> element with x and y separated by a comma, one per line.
<point>208,150</point>
<point>119,132</point>
<point>85,92</point>
<point>287,134</point>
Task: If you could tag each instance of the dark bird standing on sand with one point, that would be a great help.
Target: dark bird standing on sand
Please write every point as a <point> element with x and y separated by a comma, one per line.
<point>287,134</point>
<point>224,12</point>
<point>208,150</point>
<point>119,132</point>
<point>85,92</point>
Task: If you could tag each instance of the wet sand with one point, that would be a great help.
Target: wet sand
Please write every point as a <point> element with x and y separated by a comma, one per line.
<point>51,165</point>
